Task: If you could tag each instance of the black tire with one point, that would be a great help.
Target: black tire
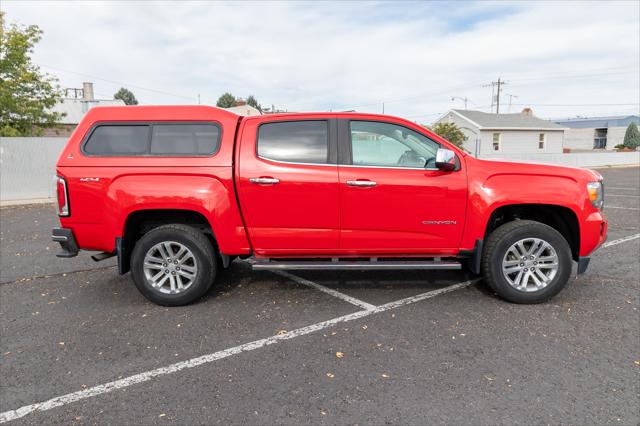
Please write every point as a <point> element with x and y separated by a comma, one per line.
<point>502,239</point>
<point>203,254</point>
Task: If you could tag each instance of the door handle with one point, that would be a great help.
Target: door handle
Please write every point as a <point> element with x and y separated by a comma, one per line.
<point>264,180</point>
<point>361,183</point>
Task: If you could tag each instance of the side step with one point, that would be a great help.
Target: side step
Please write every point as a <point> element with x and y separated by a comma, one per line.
<point>348,265</point>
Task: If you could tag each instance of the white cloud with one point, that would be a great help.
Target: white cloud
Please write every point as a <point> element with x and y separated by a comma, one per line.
<point>305,56</point>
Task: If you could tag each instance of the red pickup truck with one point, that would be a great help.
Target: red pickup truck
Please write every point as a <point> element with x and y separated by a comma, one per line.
<point>177,192</point>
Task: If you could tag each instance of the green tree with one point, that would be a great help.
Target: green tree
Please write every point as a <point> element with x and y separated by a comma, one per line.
<point>126,96</point>
<point>26,94</point>
<point>252,101</point>
<point>450,132</point>
<point>226,100</point>
<point>632,136</point>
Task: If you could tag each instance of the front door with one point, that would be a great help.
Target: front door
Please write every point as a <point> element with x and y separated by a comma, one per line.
<point>393,199</point>
<point>288,186</point>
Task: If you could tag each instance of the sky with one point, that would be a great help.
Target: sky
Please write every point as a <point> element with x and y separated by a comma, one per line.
<point>562,59</point>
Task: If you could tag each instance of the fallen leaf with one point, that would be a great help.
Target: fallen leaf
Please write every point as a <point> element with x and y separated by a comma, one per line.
<point>330,375</point>
<point>339,355</point>
<point>281,332</point>
<point>61,343</point>
<point>162,415</point>
<point>9,353</point>
<point>333,333</point>
<point>323,413</point>
<point>386,376</point>
<point>635,362</point>
<point>364,327</point>
<point>491,379</point>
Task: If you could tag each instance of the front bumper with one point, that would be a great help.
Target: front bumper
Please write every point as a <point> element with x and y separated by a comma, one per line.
<point>67,242</point>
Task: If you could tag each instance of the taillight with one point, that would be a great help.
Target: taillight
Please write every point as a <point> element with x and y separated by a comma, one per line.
<point>62,196</point>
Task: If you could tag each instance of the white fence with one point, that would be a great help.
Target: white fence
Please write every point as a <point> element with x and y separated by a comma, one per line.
<point>27,165</point>
<point>577,159</point>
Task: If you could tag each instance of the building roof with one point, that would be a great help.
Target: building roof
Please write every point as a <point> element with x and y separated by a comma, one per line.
<point>600,122</point>
<point>521,121</point>
<point>245,110</point>
<point>75,108</point>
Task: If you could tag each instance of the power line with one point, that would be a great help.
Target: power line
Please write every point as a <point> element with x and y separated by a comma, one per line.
<point>135,86</point>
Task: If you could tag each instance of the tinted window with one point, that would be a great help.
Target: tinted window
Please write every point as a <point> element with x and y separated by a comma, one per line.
<point>294,141</point>
<point>185,139</point>
<point>118,140</point>
<point>385,144</point>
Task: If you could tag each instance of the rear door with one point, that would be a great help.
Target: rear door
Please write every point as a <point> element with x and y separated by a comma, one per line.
<point>288,185</point>
<point>393,199</point>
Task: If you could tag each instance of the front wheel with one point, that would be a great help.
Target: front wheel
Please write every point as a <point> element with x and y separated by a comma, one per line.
<point>526,261</point>
<point>173,265</point>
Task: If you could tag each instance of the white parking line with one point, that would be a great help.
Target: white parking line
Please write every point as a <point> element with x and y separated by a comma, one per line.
<point>205,359</point>
<point>624,188</point>
<point>622,195</point>
<point>621,208</point>
<point>334,293</point>
<point>621,240</point>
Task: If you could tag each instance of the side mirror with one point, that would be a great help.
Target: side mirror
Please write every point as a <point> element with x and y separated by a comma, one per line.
<point>445,160</point>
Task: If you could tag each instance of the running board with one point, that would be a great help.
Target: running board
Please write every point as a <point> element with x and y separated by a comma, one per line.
<point>352,265</point>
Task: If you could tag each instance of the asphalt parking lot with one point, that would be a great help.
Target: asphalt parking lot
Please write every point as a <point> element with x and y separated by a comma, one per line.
<point>80,345</point>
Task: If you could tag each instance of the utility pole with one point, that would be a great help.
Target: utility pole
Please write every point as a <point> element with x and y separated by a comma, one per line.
<point>510,99</point>
<point>198,98</point>
<point>383,107</point>
<point>496,85</point>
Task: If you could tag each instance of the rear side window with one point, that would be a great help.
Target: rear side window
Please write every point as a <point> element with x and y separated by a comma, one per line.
<point>118,140</point>
<point>294,141</point>
<point>154,139</point>
<point>185,139</point>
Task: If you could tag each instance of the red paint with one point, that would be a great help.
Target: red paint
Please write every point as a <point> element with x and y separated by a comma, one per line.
<point>311,211</point>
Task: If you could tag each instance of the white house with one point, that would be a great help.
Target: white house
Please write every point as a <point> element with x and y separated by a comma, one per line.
<point>597,132</point>
<point>74,108</point>
<point>494,134</point>
<point>244,109</point>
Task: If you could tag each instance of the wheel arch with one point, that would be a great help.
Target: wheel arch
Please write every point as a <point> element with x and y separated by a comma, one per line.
<point>562,219</point>
<point>141,221</point>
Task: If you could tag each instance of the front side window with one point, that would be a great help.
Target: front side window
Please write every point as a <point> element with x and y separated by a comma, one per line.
<point>294,141</point>
<point>389,145</point>
<point>496,141</point>
<point>541,140</point>
<point>118,140</point>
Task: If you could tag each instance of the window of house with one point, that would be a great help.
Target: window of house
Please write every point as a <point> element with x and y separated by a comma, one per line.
<point>542,138</point>
<point>381,144</point>
<point>170,140</point>
<point>496,141</point>
<point>294,141</point>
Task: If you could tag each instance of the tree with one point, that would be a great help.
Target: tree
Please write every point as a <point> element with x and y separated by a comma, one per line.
<point>252,101</point>
<point>632,136</point>
<point>127,96</point>
<point>226,100</point>
<point>26,94</point>
<point>450,132</point>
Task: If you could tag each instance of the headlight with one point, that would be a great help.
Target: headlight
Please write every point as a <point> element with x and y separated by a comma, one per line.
<point>596,194</point>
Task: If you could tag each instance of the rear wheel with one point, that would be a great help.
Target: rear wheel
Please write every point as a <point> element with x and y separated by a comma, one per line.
<point>173,265</point>
<point>526,261</point>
